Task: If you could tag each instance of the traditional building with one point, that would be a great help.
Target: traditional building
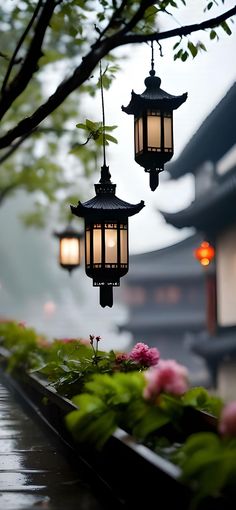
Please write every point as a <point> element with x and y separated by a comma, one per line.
<point>211,157</point>
<point>165,295</point>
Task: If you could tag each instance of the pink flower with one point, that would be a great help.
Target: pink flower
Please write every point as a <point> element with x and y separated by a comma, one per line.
<point>144,355</point>
<point>168,376</point>
<point>227,423</point>
<point>67,340</point>
<point>22,324</point>
<point>121,356</point>
<point>84,341</point>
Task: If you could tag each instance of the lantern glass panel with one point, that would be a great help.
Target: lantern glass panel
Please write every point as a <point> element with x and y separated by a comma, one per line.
<point>167,133</point>
<point>87,247</point>
<point>138,135</point>
<point>69,251</point>
<point>123,244</point>
<point>154,131</point>
<point>97,244</point>
<point>111,243</point>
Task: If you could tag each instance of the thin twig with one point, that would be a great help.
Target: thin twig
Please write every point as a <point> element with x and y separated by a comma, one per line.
<point>29,65</point>
<point>15,146</point>
<point>18,46</point>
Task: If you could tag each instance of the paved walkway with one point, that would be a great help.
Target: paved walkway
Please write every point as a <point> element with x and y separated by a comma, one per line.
<point>33,474</point>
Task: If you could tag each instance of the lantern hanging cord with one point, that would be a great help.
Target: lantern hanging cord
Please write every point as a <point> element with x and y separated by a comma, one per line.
<point>103,116</point>
<point>152,57</point>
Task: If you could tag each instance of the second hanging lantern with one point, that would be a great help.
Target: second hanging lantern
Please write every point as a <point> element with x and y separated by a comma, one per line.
<point>106,236</point>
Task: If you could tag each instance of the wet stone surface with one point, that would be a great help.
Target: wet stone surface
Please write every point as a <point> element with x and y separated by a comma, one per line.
<point>33,473</point>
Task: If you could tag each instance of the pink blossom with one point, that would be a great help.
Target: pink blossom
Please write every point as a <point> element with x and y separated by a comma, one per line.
<point>22,324</point>
<point>168,376</point>
<point>84,341</point>
<point>121,356</point>
<point>67,340</point>
<point>227,423</point>
<point>144,355</point>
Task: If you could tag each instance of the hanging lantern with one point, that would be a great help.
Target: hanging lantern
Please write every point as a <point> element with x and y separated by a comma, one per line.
<point>153,125</point>
<point>69,248</point>
<point>204,253</point>
<point>106,236</point>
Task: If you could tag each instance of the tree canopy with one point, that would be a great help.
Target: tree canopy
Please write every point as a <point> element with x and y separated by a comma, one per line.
<point>50,50</point>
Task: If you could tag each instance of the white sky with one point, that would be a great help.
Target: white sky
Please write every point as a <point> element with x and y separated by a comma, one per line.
<point>206,79</point>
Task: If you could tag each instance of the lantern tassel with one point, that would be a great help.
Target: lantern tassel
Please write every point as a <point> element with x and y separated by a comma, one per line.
<point>106,296</point>
<point>153,179</point>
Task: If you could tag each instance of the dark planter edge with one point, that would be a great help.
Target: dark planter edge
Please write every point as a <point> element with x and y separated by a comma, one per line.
<point>120,457</point>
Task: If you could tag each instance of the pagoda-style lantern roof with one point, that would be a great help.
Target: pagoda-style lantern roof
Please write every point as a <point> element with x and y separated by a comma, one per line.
<point>105,204</point>
<point>153,97</point>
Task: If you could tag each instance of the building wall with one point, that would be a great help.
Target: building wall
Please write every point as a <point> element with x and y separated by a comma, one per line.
<point>226,277</point>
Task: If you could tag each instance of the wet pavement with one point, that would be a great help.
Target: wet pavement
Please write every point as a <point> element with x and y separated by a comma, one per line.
<point>33,472</point>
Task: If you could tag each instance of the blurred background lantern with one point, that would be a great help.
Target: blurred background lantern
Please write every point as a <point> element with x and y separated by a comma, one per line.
<point>70,244</point>
<point>205,253</point>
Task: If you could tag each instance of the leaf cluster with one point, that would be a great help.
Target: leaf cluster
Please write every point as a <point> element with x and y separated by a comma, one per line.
<point>106,397</point>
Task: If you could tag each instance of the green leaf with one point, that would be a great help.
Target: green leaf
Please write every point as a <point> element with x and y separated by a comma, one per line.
<point>110,138</point>
<point>213,34</point>
<point>226,28</point>
<point>184,56</point>
<point>177,44</point>
<point>153,419</point>
<point>201,46</point>
<point>193,49</point>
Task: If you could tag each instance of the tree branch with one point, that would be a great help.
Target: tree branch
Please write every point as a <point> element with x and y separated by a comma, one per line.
<point>18,46</point>
<point>14,147</point>
<point>5,191</point>
<point>29,66</point>
<point>181,31</point>
<point>84,70</point>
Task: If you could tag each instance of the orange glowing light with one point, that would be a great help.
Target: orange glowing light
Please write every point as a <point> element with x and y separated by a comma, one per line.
<point>204,253</point>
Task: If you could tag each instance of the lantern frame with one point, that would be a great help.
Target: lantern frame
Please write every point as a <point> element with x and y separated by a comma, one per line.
<point>153,102</point>
<point>104,264</point>
<point>69,233</point>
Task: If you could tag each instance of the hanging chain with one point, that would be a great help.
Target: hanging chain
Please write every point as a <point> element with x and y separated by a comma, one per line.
<point>152,57</point>
<point>103,116</point>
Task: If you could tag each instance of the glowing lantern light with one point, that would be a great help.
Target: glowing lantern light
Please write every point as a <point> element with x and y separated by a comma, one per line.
<point>205,253</point>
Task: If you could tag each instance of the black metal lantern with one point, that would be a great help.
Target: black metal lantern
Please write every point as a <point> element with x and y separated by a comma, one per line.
<point>153,125</point>
<point>106,236</point>
<point>69,248</point>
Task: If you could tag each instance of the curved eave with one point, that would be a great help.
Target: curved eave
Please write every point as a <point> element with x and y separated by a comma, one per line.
<point>217,347</point>
<point>166,321</point>
<point>211,141</point>
<point>106,207</point>
<point>162,101</point>
<point>209,213</point>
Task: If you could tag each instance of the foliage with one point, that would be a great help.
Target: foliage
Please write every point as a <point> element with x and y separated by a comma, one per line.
<point>110,391</point>
<point>51,49</point>
<point>20,341</point>
<point>123,393</point>
<point>208,464</point>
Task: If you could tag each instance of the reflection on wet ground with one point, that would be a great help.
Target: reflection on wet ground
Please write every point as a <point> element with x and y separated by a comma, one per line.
<point>33,473</point>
